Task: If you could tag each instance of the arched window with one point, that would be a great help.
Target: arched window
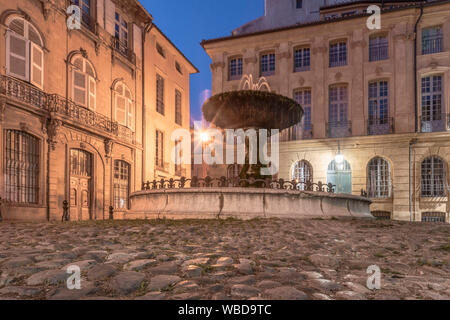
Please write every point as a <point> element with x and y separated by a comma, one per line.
<point>121,184</point>
<point>433,178</point>
<point>124,105</point>
<point>340,175</point>
<point>234,171</point>
<point>24,51</point>
<point>302,173</point>
<point>379,178</point>
<point>22,167</point>
<point>83,83</point>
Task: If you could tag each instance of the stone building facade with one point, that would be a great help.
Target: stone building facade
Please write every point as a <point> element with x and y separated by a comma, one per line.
<point>78,112</point>
<point>376,102</point>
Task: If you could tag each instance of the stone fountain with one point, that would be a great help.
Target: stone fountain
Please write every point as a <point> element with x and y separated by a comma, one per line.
<point>251,195</point>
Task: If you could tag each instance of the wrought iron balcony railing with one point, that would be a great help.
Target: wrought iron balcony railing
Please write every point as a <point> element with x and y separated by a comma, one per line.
<point>380,126</point>
<point>339,129</point>
<point>124,49</point>
<point>23,92</point>
<point>437,123</point>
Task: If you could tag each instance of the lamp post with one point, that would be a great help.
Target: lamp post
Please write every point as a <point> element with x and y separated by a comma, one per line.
<point>339,158</point>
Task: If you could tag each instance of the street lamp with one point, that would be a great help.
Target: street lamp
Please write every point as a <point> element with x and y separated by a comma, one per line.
<point>339,158</point>
<point>204,136</point>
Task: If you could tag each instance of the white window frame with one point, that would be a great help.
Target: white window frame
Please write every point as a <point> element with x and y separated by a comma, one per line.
<point>90,82</point>
<point>129,106</point>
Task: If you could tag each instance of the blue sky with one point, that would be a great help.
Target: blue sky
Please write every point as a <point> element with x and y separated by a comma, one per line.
<point>188,22</point>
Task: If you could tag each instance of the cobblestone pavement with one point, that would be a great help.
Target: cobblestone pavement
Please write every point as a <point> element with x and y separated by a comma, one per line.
<point>259,259</point>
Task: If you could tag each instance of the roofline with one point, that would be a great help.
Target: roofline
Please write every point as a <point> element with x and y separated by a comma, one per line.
<point>143,9</point>
<point>314,23</point>
<point>178,50</point>
<point>344,4</point>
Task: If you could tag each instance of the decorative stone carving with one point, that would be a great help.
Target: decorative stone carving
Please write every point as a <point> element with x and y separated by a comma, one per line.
<point>216,65</point>
<point>379,70</point>
<point>2,108</point>
<point>109,145</point>
<point>24,126</point>
<point>301,81</point>
<point>84,53</point>
<point>338,76</point>
<point>52,128</point>
<point>46,8</point>
<point>97,47</point>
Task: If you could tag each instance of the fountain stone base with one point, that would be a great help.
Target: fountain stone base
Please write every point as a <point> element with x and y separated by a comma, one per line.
<point>244,204</point>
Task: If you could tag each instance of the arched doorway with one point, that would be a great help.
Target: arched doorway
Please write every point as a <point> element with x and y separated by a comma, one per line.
<point>340,175</point>
<point>80,185</point>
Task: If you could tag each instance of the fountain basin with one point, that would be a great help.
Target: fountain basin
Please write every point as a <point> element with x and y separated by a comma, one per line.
<point>244,204</point>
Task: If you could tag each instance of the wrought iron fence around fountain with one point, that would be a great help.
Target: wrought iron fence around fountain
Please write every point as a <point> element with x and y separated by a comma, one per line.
<point>223,182</point>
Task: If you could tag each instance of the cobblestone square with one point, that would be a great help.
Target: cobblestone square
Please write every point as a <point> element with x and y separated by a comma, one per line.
<point>258,259</point>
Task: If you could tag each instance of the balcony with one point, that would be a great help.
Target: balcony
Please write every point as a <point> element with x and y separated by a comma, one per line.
<point>380,126</point>
<point>124,49</point>
<point>56,105</point>
<point>339,129</point>
<point>440,123</point>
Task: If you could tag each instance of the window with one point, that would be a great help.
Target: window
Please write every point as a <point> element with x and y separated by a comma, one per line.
<point>432,40</point>
<point>302,174</point>
<point>299,4</point>
<point>124,109</point>
<point>234,171</point>
<point>22,157</point>
<point>83,83</point>
<point>159,149</point>
<point>85,6</point>
<point>378,48</point>
<point>340,175</point>
<point>382,215</point>
<point>160,50</point>
<point>433,178</point>
<point>302,59</point>
<point>338,124</point>
<point>178,105</point>
<point>434,217</point>
<point>268,64</point>
<point>378,107</point>
<point>159,94</point>
<point>121,184</point>
<point>235,68</point>
<point>379,178</point>
<point>24,52</point>
<point>433,118</point>
<point>338,54</point>
<point>178,67</point>
<point>80,163</point>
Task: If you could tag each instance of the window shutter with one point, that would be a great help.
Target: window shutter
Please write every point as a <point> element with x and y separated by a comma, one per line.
<point>101,13</point>
<point>37,66</point>
<point>137,37</point>
<point>110,12</point>
<point>17,56</point>
<point>92,93</point>
<point>79,88</point>
<point>121,110</point>
<point>130,114</point>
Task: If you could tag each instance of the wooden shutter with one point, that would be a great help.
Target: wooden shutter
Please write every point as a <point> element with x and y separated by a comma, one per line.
<point>17,49</point>
<point>101,13</point>
<point>121,112</point>
<point>137,41</point>
<point>110,17</point>
<point>37,66</point>
<point>130,114</point>
<point>79,88</point>
<point>92,93</point>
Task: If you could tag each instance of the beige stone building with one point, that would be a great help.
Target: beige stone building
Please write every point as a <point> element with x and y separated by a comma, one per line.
<point>85,114</point>
<point>376,102</point>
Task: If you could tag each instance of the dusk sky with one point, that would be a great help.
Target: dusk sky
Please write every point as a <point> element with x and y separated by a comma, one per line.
<point>188,22</point>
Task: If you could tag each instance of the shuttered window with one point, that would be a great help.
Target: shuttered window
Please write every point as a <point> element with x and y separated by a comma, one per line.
<point>124,107</point>
<point>24,53</point>
<point>84,86</point>
<point>159,94</point>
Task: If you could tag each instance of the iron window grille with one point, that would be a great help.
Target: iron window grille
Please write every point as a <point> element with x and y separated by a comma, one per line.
<point>433,217</point>
<point>379,122</point>
<point>379,178</point>
<point>121,184</point>
<point>22,167</point>
<point>178,101</point>
<point>433,178</point>
<point>338,125</point>
<point>302,173</point>
<point>382,215</point>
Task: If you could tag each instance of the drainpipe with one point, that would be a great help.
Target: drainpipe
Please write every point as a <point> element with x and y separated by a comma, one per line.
<point>411,214</point>
<point>147,29</point>
<point>416,103</point>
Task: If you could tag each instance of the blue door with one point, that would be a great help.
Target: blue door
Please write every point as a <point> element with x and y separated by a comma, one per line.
<point>340,175</point>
